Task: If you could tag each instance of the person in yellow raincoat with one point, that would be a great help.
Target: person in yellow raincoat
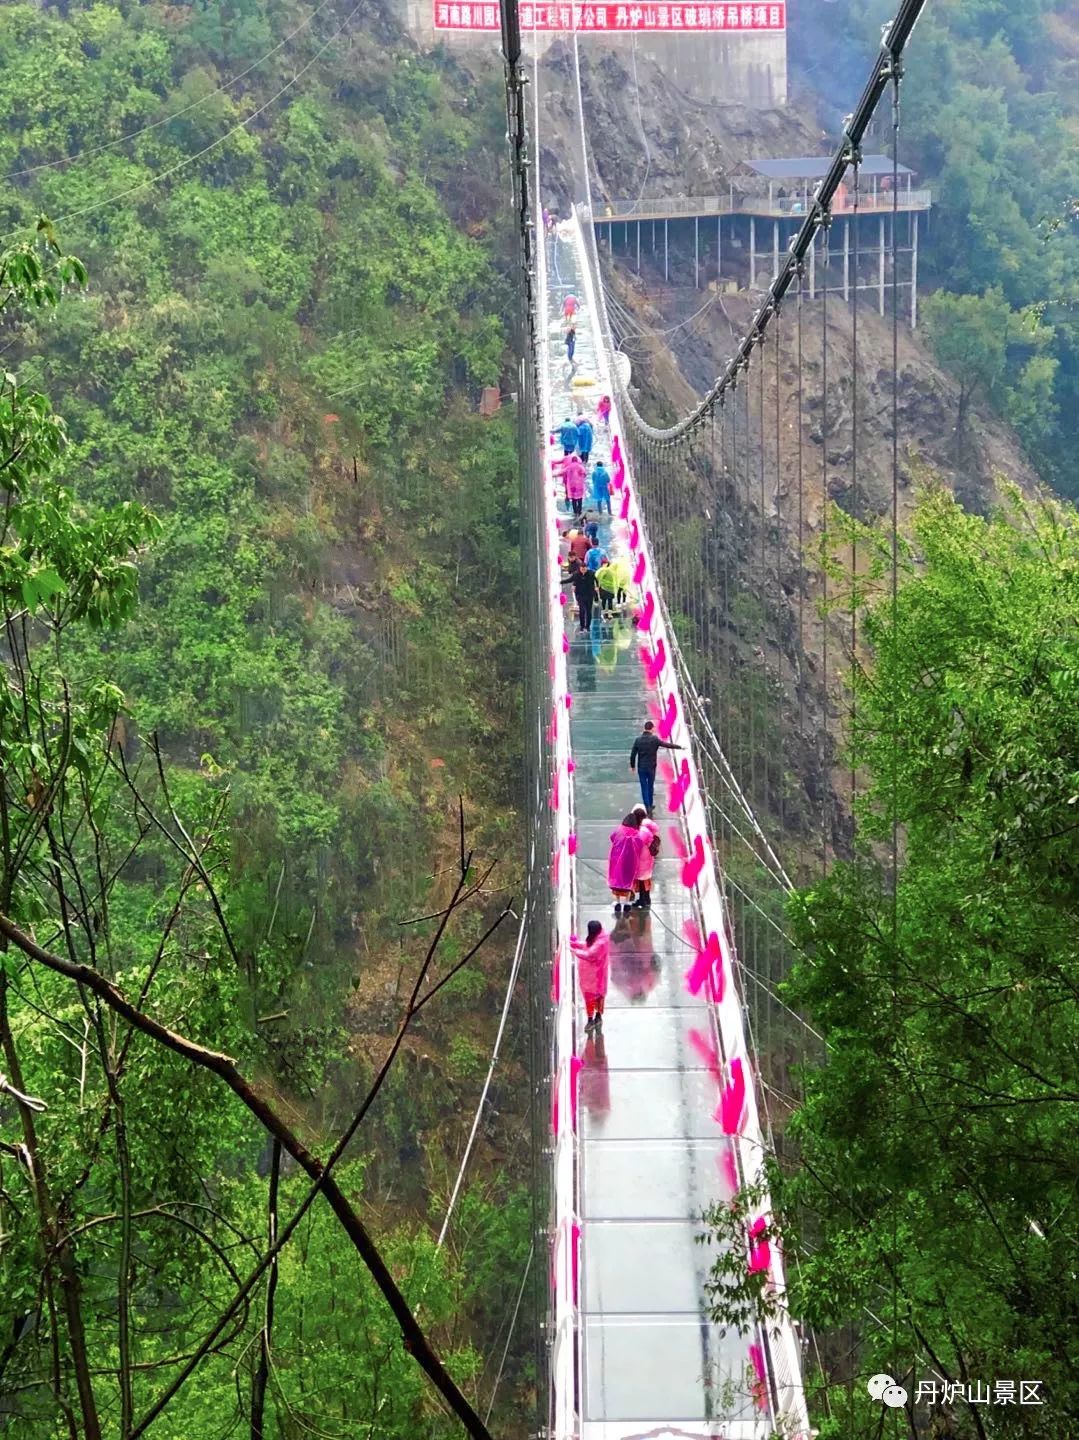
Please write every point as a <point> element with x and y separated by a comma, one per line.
<point>607,580</point>
<point>616,581</point>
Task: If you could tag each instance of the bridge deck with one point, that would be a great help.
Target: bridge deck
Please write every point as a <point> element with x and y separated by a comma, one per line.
<point>648,1162</point>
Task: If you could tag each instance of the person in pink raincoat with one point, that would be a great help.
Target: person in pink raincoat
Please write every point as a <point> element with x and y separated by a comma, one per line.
<point>624,860</point>
<point>593,971</point>
<point>649,833</point>
<point>603,413</point>
<point>569,307</point>
<point>573,473</point>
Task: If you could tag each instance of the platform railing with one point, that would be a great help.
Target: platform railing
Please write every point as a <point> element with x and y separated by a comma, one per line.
<point>777,207</point>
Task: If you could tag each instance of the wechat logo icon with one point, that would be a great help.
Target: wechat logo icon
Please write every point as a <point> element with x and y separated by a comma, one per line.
<point>884,1388</point>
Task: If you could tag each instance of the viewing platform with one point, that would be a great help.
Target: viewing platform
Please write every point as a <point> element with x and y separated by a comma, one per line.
<point>731,249</point>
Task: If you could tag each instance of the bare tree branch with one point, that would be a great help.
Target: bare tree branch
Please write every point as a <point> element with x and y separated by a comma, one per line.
<point>225,1068</point>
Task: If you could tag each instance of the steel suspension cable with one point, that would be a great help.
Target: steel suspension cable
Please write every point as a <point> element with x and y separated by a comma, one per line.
<point>724,769</point>
<point>511,986</point>
<point>781,747</point>
<point>894,598</point>
<point>777,971</point>
<point>801,520</point>
<point>762,574</point>
<point>722,687</point>
<point>825,745</point>
<point>757,640</point>
<point>509,1335</point>
<point>893,42</point>
<point>855,508</point>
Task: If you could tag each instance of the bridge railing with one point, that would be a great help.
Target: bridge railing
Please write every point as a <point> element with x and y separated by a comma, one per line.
<point>780,207</point>
<point>564,1237</point>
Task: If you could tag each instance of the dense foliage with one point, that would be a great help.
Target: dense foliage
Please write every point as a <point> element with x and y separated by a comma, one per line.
<point>989,121</point>
<point>269,387</point>
<point>937,1159</point>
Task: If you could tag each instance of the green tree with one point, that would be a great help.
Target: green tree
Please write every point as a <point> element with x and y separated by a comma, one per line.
<point>936,1186</point>
<point>969,335</point>
<point>989,114</point>
<point>1031,405</point>
<point>280,358</point>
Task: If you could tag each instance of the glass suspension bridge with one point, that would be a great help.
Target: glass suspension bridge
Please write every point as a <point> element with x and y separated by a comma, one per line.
<point>645,1126</point>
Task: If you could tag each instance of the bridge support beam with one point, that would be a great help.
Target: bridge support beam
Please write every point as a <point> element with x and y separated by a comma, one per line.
<point>638,247</point>
<point>775,248</point>
<point>666,255</point>
<point>752,253</point>
<point>880,267</point>
<point>696,253</point>
<point>719,249</point>
<point>813,270</point>
<point>914,273</point>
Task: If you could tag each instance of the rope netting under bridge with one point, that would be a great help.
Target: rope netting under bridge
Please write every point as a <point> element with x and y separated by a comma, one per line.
<point>735,646</point>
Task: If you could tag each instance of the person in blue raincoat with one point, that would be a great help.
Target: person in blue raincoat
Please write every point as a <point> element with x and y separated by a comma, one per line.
<point>584,438</point>
<point>567,434</point>
<point>601,487</point>
<point>595,558</point>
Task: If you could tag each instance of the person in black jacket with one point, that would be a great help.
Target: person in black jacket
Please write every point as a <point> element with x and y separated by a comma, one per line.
<point>583,581</point>
<point>642,758</point>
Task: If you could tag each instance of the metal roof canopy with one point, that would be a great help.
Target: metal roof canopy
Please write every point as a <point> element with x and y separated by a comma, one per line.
<point>814,167</point>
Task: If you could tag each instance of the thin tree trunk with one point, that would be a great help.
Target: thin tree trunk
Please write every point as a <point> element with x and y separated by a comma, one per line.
<point>123,1284</point>
<point>413,1337</point>
<point>262,1373</point>
<point>54,1245</point>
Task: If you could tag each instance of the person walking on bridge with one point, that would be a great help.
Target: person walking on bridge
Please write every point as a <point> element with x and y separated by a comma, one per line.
<point>583,581</point>
<point>624,860</point>
<point>642,758</point>
<point>567,434</point>
<point>607,580</point>
<point>579,545</point>
<point>601,487</point>
<point>585,438</point>
<point>593,956</point>
<point>603,413</point>
<point>573,473</point>
<point>650,842</point>
<point>569,308</point>
<point>596,557</point>
<point>571,343</point>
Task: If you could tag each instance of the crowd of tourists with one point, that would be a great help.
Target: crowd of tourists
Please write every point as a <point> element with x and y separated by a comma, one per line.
<point>593,572</point>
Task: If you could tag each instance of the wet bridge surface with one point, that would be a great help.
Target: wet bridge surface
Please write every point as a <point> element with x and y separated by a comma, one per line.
<point>650,1149</point>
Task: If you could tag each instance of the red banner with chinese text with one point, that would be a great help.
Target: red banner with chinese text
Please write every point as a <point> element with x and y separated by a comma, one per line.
<point>612,19</point>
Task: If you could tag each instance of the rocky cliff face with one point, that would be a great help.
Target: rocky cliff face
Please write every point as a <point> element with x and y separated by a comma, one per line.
<point>648,136</point>
<point>756,530</point>
<point>765,515</point>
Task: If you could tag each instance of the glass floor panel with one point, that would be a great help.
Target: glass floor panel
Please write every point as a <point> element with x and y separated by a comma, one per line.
<point>635,1039</point>
<point>639,1367</point>
<point>630,1178</point>
<point>651,1267</point>
<point>656,1105</point>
